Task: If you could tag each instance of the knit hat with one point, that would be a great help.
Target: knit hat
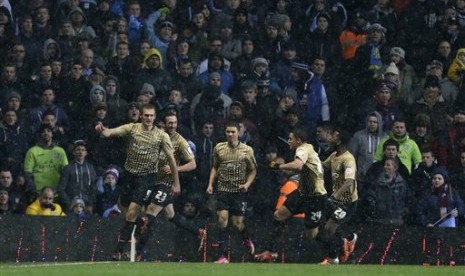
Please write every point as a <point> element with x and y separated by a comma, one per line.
<point>324,15</point>
<point>392,68</point>
<point>436,62</point>
<point>280,19</point>
<point>78,143</point>
<point>214,75</point>
<point>263,82</point>
<point>398,52</point>
<point>300,66</point>
<point>247,84</point>
<point>12,94</point>
<point>147,88</point>
<point>385,84</point>
<point>237,103</point>
<point>273,21</point>
<point>442,171</point>
<point>113,172</point>
<point>421,119</point>
<point>100,106</point>
<point>259,60</point>
<point>151,52</point>
<point>376,27</point>
<point>77,201</point>
<point>291,93</point>
<point>166,23</point>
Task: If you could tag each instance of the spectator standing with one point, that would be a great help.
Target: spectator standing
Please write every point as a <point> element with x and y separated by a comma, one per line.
<point>109,192</point>
<point>364,143</point>
<point>116,105</point>
<point>409,153</point>
<point>449,91</point>
<point>442,206</point>
<point>433,104</point>
<point>205,142</point>
<point>78,180</point>
<point>388,198</point>
<point>154,74</point>
<point>159,31</point>
<point>420,181</point>
<point>408,79</point>
<point>311,95</point>
<point>14,140</point>
<point>384,103</point>
<point>44,161</point>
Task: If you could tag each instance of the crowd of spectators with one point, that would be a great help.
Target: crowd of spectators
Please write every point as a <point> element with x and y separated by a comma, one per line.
<point>390,71</point>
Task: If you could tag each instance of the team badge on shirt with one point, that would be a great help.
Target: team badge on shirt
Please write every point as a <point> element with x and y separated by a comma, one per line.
<point>300,153</point>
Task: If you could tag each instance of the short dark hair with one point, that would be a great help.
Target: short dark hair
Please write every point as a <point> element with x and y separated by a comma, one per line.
<point>326,126</point>
<point>426,149</point>
<point>300,133</point>
<point>344,135</point>
<point>390,142</point>
<point>232,123</point>
<point>185,61</point>
<point>399,120</point>
<point>169,113</point>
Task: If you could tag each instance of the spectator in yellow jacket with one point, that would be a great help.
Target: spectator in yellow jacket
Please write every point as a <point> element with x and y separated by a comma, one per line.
<point>44,205</point>
<point>457,68</point>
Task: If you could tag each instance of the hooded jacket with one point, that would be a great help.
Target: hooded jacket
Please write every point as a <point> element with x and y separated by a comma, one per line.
<point>92,96</point>
<point>117,107</point>
<point>457,68</point>
<point>84,29</point>
<point>363,145</point>
<point>47,43</point>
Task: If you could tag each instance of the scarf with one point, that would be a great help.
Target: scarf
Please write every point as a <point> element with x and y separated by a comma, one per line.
<point>441,192</point>
<point>375,60</point>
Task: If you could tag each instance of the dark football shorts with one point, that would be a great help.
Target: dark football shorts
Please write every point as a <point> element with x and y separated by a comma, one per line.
<point>162,195</point>
<point>235,203</point>
<point>341,212</point>
<point>137,188</point>
<point>312,206</point>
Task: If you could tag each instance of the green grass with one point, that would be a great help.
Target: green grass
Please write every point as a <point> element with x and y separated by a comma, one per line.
<point>202,269</point>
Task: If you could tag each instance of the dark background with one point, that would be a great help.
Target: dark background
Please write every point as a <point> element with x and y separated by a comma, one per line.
<point>49,239</point>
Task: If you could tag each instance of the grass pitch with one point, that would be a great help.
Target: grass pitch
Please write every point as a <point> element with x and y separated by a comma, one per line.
<point>202,269</point>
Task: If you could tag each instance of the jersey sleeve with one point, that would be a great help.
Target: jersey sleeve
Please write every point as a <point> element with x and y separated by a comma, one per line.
<point>301,154</point>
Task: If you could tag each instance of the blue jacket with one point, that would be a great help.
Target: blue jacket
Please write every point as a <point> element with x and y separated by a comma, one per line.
<point>429,207</point>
